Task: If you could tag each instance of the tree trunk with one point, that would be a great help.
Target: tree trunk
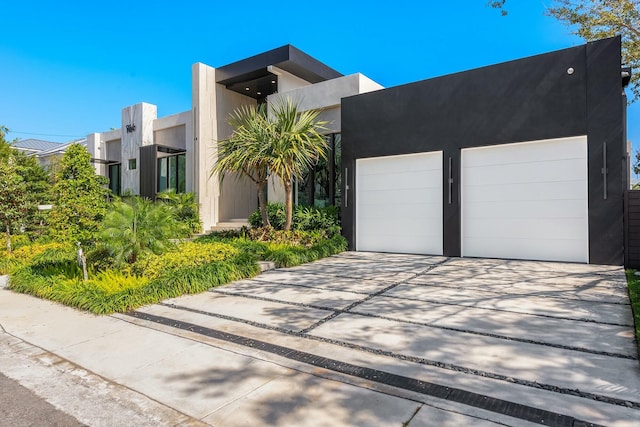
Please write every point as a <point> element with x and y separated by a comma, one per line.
<point>262,204</point>
<point>8,239</point>
<point>288,204</point>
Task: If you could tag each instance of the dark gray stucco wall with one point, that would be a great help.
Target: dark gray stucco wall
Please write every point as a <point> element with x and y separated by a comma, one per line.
<point>528,99</point>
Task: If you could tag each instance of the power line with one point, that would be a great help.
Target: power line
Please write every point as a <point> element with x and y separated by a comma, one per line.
<point>45,134</point>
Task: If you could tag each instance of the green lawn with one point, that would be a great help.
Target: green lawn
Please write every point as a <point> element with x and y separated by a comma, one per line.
<point>634,293</point>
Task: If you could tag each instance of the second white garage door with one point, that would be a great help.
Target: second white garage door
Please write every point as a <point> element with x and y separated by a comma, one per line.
<point>526,201</point>
<point>399,204</point>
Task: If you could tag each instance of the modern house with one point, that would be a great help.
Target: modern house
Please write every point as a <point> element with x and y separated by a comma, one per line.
<point>148,154</point>
<point>526,159</point>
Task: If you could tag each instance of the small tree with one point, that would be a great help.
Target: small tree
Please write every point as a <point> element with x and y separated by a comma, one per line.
<point>24,185</point>
<point>296,146</point>
<point>13,199</point>
<point>283,141</point>
<point>79,197</point>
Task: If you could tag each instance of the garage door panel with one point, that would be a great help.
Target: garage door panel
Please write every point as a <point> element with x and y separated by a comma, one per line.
<point>392,164</point>
<point>425,211</point>
<point>561,249</point>
<point>536,151</point>
<point>399,203</point>
<point>529,209</point>
<point>396,243</point>
<point>533,229</point>
<point>525,173</point>
<point>525,191</point>
<point>399,196</point>
<point>410,180</point>
<point>526,201</point>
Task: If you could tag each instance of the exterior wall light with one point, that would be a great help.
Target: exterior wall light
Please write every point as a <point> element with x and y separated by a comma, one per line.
<point>131,128</point>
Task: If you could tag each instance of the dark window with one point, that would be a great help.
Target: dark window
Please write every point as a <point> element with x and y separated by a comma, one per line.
<point>172,173</point>
<point>321,185</point>
<point>132,164</point>
<point>115,178</point>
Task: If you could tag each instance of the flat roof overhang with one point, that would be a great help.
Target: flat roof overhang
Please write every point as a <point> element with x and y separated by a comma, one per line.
<point>253,72</point>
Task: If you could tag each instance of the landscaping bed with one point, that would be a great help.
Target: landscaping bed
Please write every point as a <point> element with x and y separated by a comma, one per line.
<point>51,271</point>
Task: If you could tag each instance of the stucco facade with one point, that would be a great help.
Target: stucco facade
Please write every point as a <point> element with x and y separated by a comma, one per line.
<point>131,156</point>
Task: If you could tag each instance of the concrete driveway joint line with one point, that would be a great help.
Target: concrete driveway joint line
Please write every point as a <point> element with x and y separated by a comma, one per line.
<point>378,351</point>
<point>548,316</point>
<point>349,309</point>
<point>516,410</point>
<point>372,295</point>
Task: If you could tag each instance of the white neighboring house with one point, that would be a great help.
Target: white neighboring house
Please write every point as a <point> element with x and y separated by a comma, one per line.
<point>149,154</point>
<point>47,153</point>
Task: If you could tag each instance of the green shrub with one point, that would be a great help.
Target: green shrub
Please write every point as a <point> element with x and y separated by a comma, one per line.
<point>118,291</point>
<point>276,214</point>
<point>184,209</point>
<point>286,255</point>
<point>305,218</point>
<point>27,254</point>
<point>17,241</point>
<point>137,226</point>
<point>187,256</point>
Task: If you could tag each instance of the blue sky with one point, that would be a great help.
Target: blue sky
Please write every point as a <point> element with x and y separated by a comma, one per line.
<point>68,68</point>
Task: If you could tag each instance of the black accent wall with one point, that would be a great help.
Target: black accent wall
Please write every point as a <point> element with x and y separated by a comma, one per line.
<point>524,100</point>
<point>148,171</point>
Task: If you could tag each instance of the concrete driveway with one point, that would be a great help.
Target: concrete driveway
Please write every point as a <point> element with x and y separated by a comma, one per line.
<point>383,339</point>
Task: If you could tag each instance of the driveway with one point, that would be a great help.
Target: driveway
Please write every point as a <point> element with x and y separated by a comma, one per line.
<point>383,339</point>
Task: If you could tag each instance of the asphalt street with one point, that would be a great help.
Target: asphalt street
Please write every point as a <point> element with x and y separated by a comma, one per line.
<point>20,407</point>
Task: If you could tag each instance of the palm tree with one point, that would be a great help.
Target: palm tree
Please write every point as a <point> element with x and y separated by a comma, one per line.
<point>296,146</point>
<point>244,152</point>
<point>184,210</point>
<point>282,141</point>
<point>136,226</point>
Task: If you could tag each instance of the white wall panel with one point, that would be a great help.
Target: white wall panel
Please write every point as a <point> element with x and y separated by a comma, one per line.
<point>399,204</point>
<point>526,201</point>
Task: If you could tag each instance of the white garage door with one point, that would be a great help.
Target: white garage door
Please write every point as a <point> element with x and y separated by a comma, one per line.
<point>526,201</point>
<point>399,204</point>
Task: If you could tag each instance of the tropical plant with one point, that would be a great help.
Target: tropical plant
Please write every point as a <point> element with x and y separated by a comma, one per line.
<point>79,196</point>
<point>306,218</point>
<point>296,146</point>
<point>184,209</point>
<point>244,152</point>
<point>283,141</point>
<point>137,226</point>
